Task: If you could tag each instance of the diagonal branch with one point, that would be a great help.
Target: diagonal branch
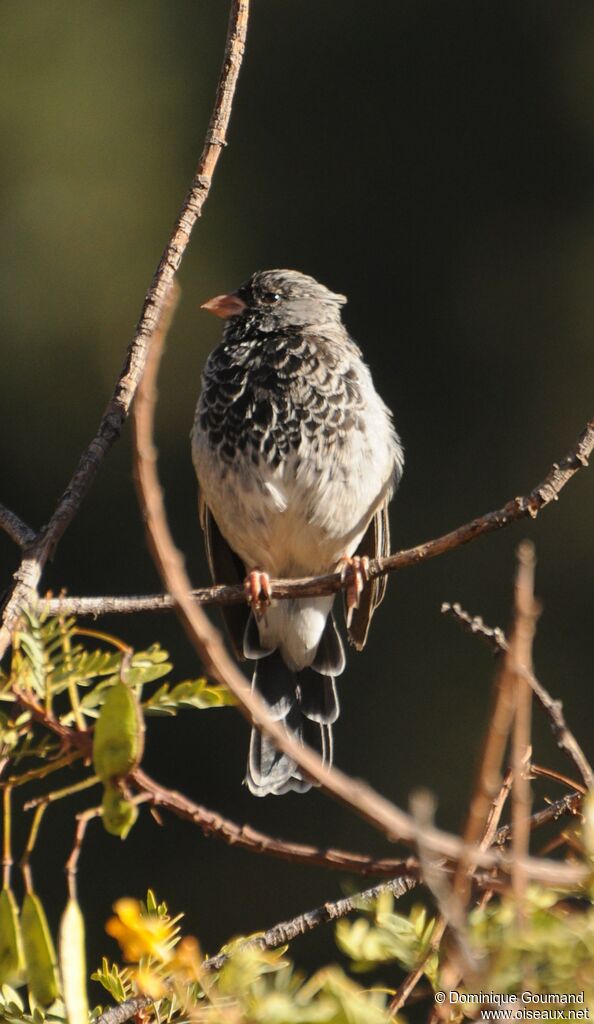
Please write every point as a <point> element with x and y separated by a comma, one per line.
<point>518,508</point>
<point>284,932</point>
<point>497,641</point>
<point>17,530</point>
<point>355,794</point>
<point>248,838</point>
<point>27,577</point>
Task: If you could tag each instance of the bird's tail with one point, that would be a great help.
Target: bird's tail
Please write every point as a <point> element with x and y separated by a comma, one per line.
<point>306,703</point>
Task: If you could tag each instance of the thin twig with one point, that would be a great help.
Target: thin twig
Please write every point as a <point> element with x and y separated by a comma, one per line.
<point>27,577</point>
<point>539,770</point>
<point>311,586</point>
<point>17,530</point>
<point>496,640</point>
<point>520,656</point>
<point>361,798</point>
<point>286,931</point>
<point>489,780</point>
<point>568,805</point>
<point>71,866</point>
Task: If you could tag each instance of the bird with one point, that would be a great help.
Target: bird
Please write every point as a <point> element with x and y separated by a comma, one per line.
<point>296,457</point>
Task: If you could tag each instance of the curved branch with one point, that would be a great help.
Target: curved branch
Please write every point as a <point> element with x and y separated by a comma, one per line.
<point>538,498</point>
<point>27,577</point>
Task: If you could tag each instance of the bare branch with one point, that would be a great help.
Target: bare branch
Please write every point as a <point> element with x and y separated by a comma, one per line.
<point>213,824</point>
<point>357,795</point>
<point>124,1011</point>
<point>27,577</point>
<point>286,931</point>
<point>17,530</point>
<point>496,640</point>
<point>245,837</point>
<point>248,838</point>
<point>311,586</point>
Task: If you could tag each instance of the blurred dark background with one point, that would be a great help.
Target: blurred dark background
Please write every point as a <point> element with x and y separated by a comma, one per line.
<point>432,159</point>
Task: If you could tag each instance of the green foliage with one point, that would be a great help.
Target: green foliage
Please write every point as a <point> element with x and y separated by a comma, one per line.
<point>389,937</point>
<point>193,693</point>
<point>553,946</point>
<point>89,687</point>
<point>253,984</point>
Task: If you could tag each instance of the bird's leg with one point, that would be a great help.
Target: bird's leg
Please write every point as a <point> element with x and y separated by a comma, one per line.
<point>257,591</point>
<point>354,571</point>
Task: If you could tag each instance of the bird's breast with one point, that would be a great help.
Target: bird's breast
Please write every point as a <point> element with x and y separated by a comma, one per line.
<point>293,457</point>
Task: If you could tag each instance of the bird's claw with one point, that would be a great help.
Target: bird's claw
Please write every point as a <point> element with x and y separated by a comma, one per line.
<point>354,572</point>
<point>257,591</point>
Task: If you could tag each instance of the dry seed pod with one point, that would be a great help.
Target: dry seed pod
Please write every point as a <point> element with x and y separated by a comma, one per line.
<point>40,955</point>
<point>119,814</point>
<point>12,962</point>
<point>119,734</point>
<point>73,966</point>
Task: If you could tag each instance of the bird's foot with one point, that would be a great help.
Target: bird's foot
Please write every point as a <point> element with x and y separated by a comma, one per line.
<point>257,591</point>
<point>354,571</point>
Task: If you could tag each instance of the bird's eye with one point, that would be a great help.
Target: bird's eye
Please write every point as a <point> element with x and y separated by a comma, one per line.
<point>270,297</point>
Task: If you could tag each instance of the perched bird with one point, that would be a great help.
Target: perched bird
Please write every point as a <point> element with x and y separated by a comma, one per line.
<point>296,458</point>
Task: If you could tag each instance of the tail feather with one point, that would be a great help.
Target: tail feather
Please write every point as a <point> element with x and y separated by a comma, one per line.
<point>330,658</point>
<point>317,696</point>
<point>307,704</point>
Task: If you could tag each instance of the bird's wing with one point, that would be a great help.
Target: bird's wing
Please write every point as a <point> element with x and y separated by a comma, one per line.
<point>225,567</point>
<point>375,544</point>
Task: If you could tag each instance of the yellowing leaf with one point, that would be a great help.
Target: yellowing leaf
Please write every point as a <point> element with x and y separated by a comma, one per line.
<point>73,964</point>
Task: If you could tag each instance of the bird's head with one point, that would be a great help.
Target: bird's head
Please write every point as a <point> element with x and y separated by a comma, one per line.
<point>279,298</point>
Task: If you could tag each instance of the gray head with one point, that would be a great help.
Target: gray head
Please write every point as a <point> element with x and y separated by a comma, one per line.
<point>279,298</point>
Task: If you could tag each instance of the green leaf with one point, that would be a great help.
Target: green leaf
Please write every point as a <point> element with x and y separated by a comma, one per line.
<point>119,734</point>
<point>196,693</point>
<point>12,963</point>
<point>40,955</point>
<point>114,979</point>
<point>119,813</point>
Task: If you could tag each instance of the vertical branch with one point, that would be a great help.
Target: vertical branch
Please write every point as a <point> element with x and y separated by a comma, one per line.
<point>520,658</point>
<point>489,775</point>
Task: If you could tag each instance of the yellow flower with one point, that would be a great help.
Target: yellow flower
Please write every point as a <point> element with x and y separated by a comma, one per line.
<point>149,983</point>
<point>141,934</point>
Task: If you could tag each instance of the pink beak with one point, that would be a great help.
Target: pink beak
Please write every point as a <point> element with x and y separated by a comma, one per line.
<point>225,305</point>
